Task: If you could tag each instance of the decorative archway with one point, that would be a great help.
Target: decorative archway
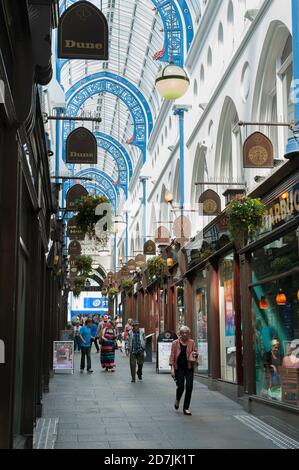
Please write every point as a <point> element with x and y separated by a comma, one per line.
<point>107,82</point>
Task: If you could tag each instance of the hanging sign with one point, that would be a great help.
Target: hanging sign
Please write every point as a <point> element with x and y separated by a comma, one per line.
<point>140,260</point>
<point>149,248</point>
<point>74,248</point>
<point>211,203</point>
<point>83,33</point>
<point>162,235</point>
<point>73,231</point>
<point>81,147</point>
<point>258,152</point>
<point>124,273</point>
<point>131,264</point>
<point>74,195</point>
<point>182,227</point>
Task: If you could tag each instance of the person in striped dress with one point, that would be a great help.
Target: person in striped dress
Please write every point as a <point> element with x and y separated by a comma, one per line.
<point>108,348</point>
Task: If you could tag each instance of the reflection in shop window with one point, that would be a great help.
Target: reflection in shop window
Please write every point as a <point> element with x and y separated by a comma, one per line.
<point>227,319</point>
<point>275,290</point>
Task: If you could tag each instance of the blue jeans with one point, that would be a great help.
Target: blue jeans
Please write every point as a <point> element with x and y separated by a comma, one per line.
<point>76,343</point>
<point>85,352</point>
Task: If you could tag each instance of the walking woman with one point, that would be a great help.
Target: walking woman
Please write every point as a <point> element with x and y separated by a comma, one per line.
<point>182,359</point>
<point>108,348</point>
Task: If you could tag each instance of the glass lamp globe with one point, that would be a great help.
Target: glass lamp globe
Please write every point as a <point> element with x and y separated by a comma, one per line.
<point>172,82</point>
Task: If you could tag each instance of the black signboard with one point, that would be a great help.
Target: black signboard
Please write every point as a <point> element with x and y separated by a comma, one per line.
<point>73,231</point>
<point>81,147</point>
<point>83,33</point>
<point>74,195</point>
<point>74,248</point>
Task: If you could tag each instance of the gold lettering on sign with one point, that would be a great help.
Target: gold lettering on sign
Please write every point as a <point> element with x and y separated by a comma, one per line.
<point>296,200</point>
<point>71,44</point>
<point>82,155</point>
<point>277,213</point>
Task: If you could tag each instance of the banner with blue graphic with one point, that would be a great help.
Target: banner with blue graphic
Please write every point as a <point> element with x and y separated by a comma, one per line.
<point>96,302</point>
<point>84,313</point>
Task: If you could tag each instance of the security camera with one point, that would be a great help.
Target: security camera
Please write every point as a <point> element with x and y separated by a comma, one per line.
<point>258,179</point>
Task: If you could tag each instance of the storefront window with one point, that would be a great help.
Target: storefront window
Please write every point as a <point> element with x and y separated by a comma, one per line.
<point>180,307</point>
<point>200,309</point>
<point>276,311</point>
<point>227,319</point>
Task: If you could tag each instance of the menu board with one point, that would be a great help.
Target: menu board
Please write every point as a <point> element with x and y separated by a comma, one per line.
<point>164,350</point>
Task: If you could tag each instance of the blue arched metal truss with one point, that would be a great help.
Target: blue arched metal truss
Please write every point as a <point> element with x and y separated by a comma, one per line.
<point>121,157</point>
<point>102,183</point>
<point>173,14</point>
<point>107,82</point>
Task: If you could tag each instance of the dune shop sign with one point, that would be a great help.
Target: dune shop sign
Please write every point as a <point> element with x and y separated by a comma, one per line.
<point>81,147</point>
<point>74,195</point>
<point>211,204</point>
<point>83,33</point>
<point>258,151</point>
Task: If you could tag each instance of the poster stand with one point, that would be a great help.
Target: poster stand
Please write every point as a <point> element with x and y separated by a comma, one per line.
<point>164,343</point>
<point>63,357</point>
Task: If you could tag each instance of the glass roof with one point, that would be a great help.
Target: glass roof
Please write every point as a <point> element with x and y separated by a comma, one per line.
<point>136,35</point>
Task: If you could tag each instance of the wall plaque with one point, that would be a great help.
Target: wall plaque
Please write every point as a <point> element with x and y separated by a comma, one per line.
<point>258,151</point>
<point>83,33</point>
<point>81,147</point>
<point>211,203</point>
<point>74,195</point>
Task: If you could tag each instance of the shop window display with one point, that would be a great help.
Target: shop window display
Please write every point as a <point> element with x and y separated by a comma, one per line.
<point>275,290</point>
<point>227,319</point>
<point>201,318</point>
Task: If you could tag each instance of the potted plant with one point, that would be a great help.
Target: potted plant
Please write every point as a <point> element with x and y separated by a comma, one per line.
<point>112,292</point>
<point>245,218</point>
<point>83,264</point>
<point>127,286</point>
<point>86,219</point>
<point>79,284</point>
<point>156,266</point>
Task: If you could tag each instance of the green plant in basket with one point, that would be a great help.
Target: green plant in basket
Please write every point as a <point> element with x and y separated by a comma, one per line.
<point>245,218</point>
<point>86,219</point>
<point>112,292</point>
<point>156,266</point>
<point>84,264</point>
<point>127,285</point>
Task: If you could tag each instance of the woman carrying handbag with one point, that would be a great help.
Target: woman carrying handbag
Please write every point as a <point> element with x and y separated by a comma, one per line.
<point>183,357</point>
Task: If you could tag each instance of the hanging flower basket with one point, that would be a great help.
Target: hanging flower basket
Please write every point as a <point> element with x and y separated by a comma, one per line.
<point>245,219</point>
<point>83,264</point>
<point>86,219</point>
<point>156,266</point>
<point>112,292</point>
<point>127,286</point>
<point>79,285</point>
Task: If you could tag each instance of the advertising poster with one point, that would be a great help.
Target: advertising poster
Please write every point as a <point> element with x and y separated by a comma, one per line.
<point>164,350</point>
<point>202,349</point>
<point>229,313</point>
<point>63,355</point>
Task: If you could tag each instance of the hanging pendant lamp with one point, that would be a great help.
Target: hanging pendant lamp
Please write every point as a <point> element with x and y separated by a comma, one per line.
<point>172,82</point>
<point>264,304</point>
<point>281,298</point>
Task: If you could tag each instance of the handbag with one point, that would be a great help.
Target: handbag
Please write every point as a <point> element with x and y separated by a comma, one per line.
<point>193,357</point>
<point>115,345</point>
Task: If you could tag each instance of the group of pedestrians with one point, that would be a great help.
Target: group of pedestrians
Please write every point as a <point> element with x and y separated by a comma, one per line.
<point>182,359</point>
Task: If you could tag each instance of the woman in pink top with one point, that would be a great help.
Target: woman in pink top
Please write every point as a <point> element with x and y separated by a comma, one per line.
<point>182,359</point>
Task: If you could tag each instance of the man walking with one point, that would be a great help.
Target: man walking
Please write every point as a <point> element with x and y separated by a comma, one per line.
<point>85,336</point>
<point>135,346</point>
<point>94,328</point>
